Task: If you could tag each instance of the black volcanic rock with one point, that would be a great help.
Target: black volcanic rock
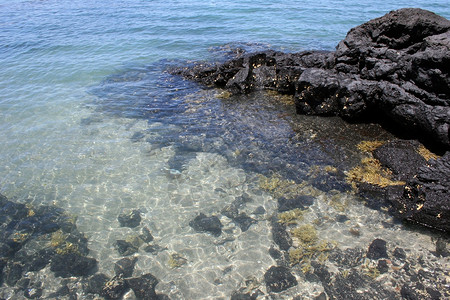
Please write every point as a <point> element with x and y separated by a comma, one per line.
<point>95,283</point>
<point>401,157</point>
<point>72,264</point>
<point>115,288</point>
<point>125,266</point>
<point>280,235</point>
<point>392,70</point>
<point>143,286</point>
<point>377,249</point>
<point>279,279</point>
<point>202,223</point>
<point>131,219</point>
<point>406,54</point>
<point>301,202</point>
<point>426,197</point>
<point>244,222</point>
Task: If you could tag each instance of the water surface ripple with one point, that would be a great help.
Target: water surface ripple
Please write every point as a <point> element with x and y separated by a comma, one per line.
<point>92,123</point>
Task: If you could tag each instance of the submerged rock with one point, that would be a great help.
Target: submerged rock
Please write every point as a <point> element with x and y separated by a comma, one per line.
<point>130,219</point>
<point>143,286</point>
<point>377,249</point>
<point>125,266</point>
<point>146,235</point>
<point>125,248</point>
<point>243,221</point>
<point>95,283</point>
<point>279,279</point>
<point>115,288</point>
<point>202,223</point>
<point>34,237</point>
<point>72,264</point>
<point>279,234</point>
<point>302,201</point>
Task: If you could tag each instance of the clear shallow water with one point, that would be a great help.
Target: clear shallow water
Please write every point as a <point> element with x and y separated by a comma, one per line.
<point>90,122</point>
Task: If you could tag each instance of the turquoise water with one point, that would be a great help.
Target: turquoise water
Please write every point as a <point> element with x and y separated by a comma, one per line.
<point>90,122</point>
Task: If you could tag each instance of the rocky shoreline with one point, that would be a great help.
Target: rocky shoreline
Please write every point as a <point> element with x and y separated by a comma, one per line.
<point>41,243</point>
<point>392,70</point>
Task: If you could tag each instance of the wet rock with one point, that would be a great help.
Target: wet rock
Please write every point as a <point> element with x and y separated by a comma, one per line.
<point>115,288</point>
<point>143,286</point>
<point>399,253</point>
<point>37,261</point>
<point>441,248</point>
<point>125,248</point>
<point>154,248</point>
<point>274,253</point>
<point>146,235</point>
<point>389,70</point>
<point>72,264</point>
<point>298,202</point>
<point>377,249</point>
<point>202,223</point>
<point>96,283</point>
<point>244,222</point>
<point>259,211</point>
<point>13,272</point>
<point>401,157</point>
<point>125,266</point>
<point>279,234</point>
<point>130,219</point>
<point>279,279</point>
<point>242,296</point>
<point>33,293</point>
<point>382,266</point>
<point>426,198</point>
<point>408,293</point>
<point>231,211</point>
<point>374,72</point>
<point>407,61</point>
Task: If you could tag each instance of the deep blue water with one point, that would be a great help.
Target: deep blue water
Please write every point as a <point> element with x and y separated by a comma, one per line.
<point>90,122</point>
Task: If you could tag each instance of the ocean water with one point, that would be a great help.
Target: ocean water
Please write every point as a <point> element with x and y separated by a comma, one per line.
<point>91,122</point>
